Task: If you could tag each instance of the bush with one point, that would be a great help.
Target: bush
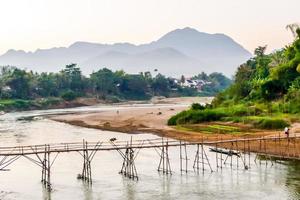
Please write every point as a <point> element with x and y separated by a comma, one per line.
<point>269,123</point>
<point>17,104</point>
<point>69,95</point>
<point>22,104</point>
<point>197,106</point>
<point>173,120</point>
<point>196,116</point>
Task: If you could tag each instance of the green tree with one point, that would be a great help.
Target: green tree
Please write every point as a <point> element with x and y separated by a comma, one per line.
<point>19,84</point>
<point>103,82</point>
<point>160,85</point>
<point>73,78</point>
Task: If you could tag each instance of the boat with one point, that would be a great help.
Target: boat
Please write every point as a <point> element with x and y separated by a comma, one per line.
<point>227,152</point>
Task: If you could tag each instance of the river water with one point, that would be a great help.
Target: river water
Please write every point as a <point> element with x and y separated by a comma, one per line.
<point>261,181</point>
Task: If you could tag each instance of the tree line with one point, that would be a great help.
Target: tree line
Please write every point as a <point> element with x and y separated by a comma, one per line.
<point>70,83</point>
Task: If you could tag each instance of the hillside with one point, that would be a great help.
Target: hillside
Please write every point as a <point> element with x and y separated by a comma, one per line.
<point>265,92</point>
<point>182,51</point>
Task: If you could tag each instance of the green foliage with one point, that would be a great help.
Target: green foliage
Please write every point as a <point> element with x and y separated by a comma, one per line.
<point>69,95</point>
<point>160,85</point>
<point>111,86</point>
<point>241,113</point>
<point>196,116</point>
<point>17,104</point>
<point>265,77</point>
<point>269,123</point>
<point>18,82</point>
<point>216,82</point>
<point>197,106</point>
<point>265,92</point>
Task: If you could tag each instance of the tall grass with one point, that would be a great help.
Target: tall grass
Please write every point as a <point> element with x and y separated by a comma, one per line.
<point>255,115</point>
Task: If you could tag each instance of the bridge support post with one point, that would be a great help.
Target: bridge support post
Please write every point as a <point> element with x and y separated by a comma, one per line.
<point>46,166</point>
<point>164,163</point>
<point>128,167</point>
<point>185,158</point>
<point>201,158</point>
<point>86,174</point>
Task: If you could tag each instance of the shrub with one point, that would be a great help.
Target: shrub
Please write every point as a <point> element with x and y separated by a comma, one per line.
<point>197,106</point>
<point>269,123</point>
<point>22,104</point>
<point>173,120</point>
<point>69,95</point>
<point>196,116</point>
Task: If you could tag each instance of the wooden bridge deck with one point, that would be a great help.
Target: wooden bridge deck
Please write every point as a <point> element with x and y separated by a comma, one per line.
<point>281,147</point>
<point>120,145</point>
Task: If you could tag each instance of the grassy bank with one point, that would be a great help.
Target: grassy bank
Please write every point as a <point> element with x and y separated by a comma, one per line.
<point>256,116</point>
<point>21,104</point>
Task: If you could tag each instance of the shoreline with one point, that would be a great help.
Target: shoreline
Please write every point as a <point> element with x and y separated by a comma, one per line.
<point>150,119</point>
<point>82,102</point>
<point>153,120</point>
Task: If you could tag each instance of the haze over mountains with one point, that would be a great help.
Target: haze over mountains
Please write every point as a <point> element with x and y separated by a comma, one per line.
<point>182,51</point>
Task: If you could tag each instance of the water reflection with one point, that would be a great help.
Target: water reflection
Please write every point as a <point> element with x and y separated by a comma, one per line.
<point>46,194</point>
<point>129,189</point>
<point>293,178</point>
<point>87,191</point>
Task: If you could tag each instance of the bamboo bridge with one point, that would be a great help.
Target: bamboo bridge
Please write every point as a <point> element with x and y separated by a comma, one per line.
<point>225,152</point>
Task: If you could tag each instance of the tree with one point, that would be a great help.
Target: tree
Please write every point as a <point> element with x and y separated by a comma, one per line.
<point>104,82</point>
<point>182,79</point>
<point>260,51</point>
<point>203,76</point>
<point>18,82</point>
<point>135,86</point>
<point>47,85</point>
<point>160,85</point>
<point>293,28</point>
<point>73,77</point>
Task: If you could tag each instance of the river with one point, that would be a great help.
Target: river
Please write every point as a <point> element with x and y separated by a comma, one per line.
<point>280,181</point>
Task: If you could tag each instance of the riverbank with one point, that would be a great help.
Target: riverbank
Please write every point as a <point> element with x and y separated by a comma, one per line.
<point>153,119</point>
<point>134,119</point>
<point>12,105</point>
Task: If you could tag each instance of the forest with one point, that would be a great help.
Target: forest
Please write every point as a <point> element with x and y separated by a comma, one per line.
<point>265,92</point>
<point>21,89</point>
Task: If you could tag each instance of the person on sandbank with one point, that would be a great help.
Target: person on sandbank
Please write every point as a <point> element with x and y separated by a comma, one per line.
<point>287,131</point>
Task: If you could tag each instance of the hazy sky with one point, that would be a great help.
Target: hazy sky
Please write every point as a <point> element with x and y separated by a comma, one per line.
<point>32,24</point>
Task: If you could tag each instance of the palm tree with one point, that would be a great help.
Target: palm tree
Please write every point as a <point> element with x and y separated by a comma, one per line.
<point>260,51</point>
<point>293,28</point>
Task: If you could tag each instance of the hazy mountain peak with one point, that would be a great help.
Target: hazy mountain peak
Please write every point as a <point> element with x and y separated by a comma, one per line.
<point>178,33</point>
<point>182,51</point>
<point>13,51</point>
<point>79,44</point>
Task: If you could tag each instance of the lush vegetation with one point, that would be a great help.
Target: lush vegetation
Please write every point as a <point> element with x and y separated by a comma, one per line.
<point>21,89</point>
<point>213,83</point>
<point>265,92</point>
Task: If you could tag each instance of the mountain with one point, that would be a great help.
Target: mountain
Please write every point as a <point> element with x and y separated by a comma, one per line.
<point>182,51</point>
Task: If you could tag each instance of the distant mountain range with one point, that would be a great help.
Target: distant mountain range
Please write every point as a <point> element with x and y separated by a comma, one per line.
<point>182,51</point>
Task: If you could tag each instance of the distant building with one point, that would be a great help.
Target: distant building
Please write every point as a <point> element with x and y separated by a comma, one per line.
<point>195,83</point>
<point>6,88</point>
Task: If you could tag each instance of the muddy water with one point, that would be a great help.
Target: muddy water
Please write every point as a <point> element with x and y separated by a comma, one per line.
<point>280,181</point>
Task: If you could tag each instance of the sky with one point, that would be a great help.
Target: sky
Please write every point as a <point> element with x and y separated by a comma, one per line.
<point>33,24</point>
